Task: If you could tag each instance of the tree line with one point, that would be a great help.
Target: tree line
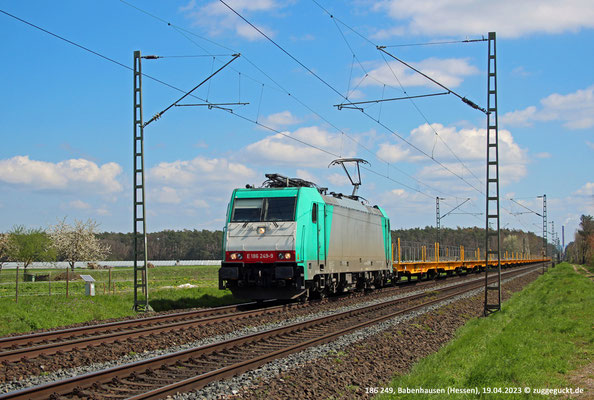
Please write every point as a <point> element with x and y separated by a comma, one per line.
<point>581,250</point>
<point>82,242</point>
<point>512,240</point>
<point>207,245</point>
<point>167,245</point>
<point>61,242</point>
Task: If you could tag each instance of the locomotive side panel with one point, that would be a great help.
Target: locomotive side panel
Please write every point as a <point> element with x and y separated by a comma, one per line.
<point>356,241</point>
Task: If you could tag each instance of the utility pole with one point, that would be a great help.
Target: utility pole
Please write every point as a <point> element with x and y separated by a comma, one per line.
<point>492,238</point>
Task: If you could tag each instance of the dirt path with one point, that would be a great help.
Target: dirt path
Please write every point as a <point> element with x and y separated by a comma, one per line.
<point>583,271</point>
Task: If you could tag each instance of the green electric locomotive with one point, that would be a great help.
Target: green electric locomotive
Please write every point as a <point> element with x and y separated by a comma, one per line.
<point>292,239</point>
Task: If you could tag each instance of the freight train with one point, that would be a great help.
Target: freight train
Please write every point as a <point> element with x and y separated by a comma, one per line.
<point>292,239</point>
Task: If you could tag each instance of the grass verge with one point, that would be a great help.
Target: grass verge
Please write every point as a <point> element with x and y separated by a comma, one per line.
<point>542,334</point>
<point>37,310</point>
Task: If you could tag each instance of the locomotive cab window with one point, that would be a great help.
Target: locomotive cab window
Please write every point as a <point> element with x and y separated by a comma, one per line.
<point>314,213</point>
<point>247,210</point>
<point>266,209</point>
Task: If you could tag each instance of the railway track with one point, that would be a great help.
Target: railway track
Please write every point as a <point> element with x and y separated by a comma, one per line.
<point>194,368</point>
<point>16,348</point>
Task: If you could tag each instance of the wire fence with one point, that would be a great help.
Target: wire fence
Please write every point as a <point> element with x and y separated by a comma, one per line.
<point>19,282</point>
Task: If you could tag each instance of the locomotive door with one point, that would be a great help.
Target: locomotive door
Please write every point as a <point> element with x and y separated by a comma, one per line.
<point>321,234</point>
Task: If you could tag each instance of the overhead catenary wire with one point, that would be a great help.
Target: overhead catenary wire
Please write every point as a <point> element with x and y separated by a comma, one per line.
<point>159,114</point>
<point>430,125</point>
<point>464,99</point>
<point>340,94</point>
<point>194,96</point>
<point>185,33</point>
<point>186,94</point>
<point>483,39</point>
<point>337,20</point>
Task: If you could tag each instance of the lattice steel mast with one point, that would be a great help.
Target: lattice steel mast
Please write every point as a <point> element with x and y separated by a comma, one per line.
<point>140,239</point>
<point>140,244</point>
<point>492,236</point>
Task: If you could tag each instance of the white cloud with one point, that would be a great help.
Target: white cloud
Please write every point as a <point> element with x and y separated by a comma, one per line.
<point>306,175</point>
<point>543,155</point>
<point>399,201</point>
<point>393,153</point>
<point>337,179</point>
<point>575,109</point>
<point>586,190</point>
<point>388,33</point>
<point>166,195</point>
<point>103,211</point>
<point>69,175</point>
<point>509,18</point>
<point>217,18</point>
<point>281,119</point>
<point>448,71</point>
<point>281,150</point>
<point>520,72</point>
<point>79,204</point>
<point>197,183</point>
<point>520,117</point>
<point>469,144</point>
<point>199,171</point>
<point>200,203</point>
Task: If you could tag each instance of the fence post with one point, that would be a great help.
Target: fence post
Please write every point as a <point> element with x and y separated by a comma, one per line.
<point>16,294</point>
<point>109,282</point>
<point>49,283</point>
<point>67,278</point>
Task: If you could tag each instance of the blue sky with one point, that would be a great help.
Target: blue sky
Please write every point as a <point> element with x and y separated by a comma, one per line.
<point>66,118</point>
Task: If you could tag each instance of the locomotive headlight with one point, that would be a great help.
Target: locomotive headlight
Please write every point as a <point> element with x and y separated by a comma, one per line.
<point>261,230</point>
<point>282,255</point>
<point>235,256</point>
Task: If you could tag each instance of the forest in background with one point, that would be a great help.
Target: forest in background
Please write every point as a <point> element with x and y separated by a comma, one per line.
<point>581,250</point>
<point>206,245</point>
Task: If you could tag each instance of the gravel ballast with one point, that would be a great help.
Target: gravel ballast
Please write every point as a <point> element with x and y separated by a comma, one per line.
<point>270,372</point>
<point>38,371</point>
<point>343,369</point>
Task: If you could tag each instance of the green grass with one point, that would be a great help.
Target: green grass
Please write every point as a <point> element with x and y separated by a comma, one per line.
<point>37,310</point>
<point>541,335</point>
<point>203,276</point>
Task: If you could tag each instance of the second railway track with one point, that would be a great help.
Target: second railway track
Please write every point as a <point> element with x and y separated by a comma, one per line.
<point>17,348</point>
<point>194,368</point>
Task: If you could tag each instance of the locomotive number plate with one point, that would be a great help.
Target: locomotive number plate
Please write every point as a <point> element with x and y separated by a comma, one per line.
<point>260,256</point>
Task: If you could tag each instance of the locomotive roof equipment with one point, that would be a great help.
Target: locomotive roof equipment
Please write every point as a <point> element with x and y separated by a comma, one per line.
<point>355,182</point>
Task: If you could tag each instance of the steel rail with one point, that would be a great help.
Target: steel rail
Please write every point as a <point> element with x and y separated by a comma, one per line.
<point>80,337</point>
<point>9,341</point>
<point>76,384</point>
<point>141,331</point>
